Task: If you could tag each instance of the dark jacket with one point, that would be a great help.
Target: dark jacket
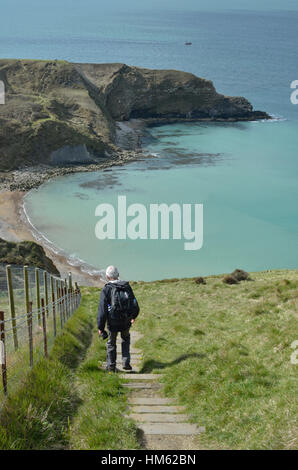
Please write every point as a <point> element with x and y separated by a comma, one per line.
<point>103,309</point>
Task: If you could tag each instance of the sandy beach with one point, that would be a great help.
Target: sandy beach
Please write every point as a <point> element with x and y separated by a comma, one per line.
<point>14,185</point>
<point>14,227</point>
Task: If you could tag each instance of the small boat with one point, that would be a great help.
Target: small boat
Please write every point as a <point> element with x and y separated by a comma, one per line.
<point>188,43</point>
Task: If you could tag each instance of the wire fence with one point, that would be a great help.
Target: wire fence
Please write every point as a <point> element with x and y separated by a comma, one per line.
<point>34,306</point>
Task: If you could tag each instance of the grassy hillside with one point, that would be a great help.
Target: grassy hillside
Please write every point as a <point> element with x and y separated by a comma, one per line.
<point>100,421</point>
<point>67,402</point>
<point>26,253</point>
<point>57,112</point>
<point>224,351</point>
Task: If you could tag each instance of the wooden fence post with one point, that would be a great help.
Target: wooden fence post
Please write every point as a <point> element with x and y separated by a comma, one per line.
<point>62,303</point>
<point>44,328</point>
<point>26,288</point>
<point>66,299</point>
<point>37,287</point>
<point>65,304</point>
<point>58,296</point>
<point>30,334</point>
<point>53,306</point>
<point>71,303</point>
<point>69,280</point>
<point>77,294</point>
<point>46,292</point>
<point>3,353</point>
<point>28,305</point>
<point>12,306</point>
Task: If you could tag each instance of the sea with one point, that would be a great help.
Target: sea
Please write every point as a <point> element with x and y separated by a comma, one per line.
<point>245,175</point>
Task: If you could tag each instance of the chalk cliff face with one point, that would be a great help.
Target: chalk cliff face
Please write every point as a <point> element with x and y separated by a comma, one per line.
<point>58,112</point>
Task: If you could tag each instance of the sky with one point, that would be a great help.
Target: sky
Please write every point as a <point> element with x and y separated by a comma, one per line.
<point>219,5</point>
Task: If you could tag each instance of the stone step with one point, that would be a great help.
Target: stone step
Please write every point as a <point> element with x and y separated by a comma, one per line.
<point>150,401</point>
<point>120,370</point>
<point>146,392</point>
<point>141,376</point>
<point>119,364</point>
<point>178,429</point>
<point>156,409</point>
<point>158,417</point>
<point>141,385</point>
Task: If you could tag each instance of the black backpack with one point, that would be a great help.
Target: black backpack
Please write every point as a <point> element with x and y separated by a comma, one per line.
<point>123,302</point>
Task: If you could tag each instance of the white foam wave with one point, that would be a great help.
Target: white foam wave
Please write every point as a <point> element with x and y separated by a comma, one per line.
<point>274,118</point>
<point>72,259</point>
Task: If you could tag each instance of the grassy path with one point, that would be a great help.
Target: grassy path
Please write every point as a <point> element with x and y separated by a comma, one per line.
<point>162,422</point>
<point>225,354</point>
<point>101,421</point>
<point>222,352</point>
<point>67,402</point>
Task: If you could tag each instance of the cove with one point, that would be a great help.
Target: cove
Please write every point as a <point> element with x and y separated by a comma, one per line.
<point>243,173</point>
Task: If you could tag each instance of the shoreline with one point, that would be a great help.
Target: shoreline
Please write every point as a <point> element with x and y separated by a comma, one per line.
<point>25,179</point>
<point>129,140</point>
<point>15,227</point>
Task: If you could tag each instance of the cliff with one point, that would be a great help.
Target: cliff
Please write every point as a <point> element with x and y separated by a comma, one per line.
<point>57,112</point>
<point>26,253</point>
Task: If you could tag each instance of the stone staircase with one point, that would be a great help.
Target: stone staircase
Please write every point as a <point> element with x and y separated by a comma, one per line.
<point>155,415</point>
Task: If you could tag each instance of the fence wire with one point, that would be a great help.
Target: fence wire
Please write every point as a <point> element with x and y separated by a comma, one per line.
<point>34,306</point>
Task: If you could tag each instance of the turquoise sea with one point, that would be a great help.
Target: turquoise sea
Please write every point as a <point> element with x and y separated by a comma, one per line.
<point>245,174</point>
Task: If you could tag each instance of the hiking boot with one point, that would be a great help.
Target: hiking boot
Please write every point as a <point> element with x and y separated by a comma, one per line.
<point>111,369</point>
<point>127,367</point>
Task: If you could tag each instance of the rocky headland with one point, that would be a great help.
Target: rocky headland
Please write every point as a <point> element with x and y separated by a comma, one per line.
<point>61,117</point>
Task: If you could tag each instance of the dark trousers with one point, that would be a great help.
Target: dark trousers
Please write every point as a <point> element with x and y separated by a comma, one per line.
<point>112,348</point>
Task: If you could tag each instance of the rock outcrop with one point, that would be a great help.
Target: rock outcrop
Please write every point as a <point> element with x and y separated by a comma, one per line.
<point>26,253</point>
<point>131,92</point>
<point>54,107</point>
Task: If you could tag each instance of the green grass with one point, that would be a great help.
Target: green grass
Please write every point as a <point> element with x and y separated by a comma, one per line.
<point>225,354</point>
<point>66,401</point>
<point>224,351</point>
<point>100,422</point>
<point>36,415</point>
<point>17,361</point>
